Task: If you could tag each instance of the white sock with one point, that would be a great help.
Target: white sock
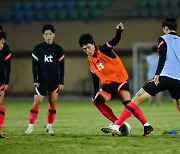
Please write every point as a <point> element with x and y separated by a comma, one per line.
<point>31,125</point>
<point>146,124</point>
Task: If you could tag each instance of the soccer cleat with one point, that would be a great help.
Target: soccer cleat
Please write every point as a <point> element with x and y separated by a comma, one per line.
<point>147,130</point>
<point>49,130</point>
<point>1,137</point>
<point>107,129</point>
<point>114,129</point>
<point>29,130</point>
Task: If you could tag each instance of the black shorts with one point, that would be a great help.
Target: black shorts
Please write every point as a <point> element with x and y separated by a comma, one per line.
<point>113,88</point>
<point>166,83</point>
<point>46,87</point>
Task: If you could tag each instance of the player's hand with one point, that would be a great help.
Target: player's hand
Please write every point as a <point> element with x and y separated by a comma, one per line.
<point>61,86</point>
<point>120,26</point>
<point>5,87</point>
<point>156,80</point>
<point>36,84</point>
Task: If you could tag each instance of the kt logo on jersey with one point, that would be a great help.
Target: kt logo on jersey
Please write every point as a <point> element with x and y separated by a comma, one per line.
<point>48,59</point>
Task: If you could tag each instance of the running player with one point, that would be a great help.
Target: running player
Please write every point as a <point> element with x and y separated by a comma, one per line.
<point>5,66</point>
<point>167,75</point>
<point>48,75</point>
<point>107,67</point>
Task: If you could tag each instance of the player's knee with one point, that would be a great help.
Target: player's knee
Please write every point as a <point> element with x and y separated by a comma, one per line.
<point>98,102</point>
<point>125,103</point>
<point>2,103</point>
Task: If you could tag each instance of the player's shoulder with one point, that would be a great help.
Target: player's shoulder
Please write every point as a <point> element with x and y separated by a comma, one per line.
<point>6,46</point>
<point>39,45</point>
<point>57,46</point>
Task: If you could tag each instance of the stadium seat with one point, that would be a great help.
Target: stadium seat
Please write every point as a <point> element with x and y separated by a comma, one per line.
<point>143,4</point>
<point>51,16</point>
<point>39,16</point>
<point>38,6</point>
<point>104,4</point>
<point>82,4</point>
<point>62,16</point>
<point>93,4</point>
<point>17,6</point>
<point>59,6</point>
<point>70,4</point>
<point>73,15</point>
<point>6,16</point>
<point>27,6</point>
<point>96,14</point>
<point>48,6</point>
<point>28,16</point>
<point>85,15</point>
<point>18,17</point>
<point>153,4</point>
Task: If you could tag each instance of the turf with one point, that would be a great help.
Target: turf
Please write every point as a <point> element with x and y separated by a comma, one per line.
<point>77,130</point>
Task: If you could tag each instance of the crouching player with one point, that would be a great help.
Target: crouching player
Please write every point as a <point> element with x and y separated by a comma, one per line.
<point>107,67</point>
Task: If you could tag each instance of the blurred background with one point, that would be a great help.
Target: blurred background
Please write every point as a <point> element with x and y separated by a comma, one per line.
<point>23,20</point>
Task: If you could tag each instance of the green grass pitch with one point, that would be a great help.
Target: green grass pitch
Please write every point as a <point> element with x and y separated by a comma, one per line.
<point>77,130</point>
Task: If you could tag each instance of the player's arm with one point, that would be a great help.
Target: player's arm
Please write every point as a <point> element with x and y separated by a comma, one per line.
<point>35,61</point>
<point>7,66</point>
<point>61,62</point>
<point>109,45</point>
<point>95,84</point>
<point>162,48</point>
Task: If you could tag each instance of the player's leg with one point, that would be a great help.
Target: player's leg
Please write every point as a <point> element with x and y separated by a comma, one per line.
<point>52,99</point>
<point>53,96</point>
<point>2,109</point>
<point>40,93</point>
<point>102,96</point>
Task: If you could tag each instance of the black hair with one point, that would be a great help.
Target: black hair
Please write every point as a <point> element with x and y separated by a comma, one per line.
<point>1,28</point>
<point>48,27</point>
<point>85,39</point>
<point>2,35</point>
<point>170,22</point>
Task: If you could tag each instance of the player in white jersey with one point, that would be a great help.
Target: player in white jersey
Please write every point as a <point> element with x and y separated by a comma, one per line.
<point>167,75</point>
<point>152,63</point>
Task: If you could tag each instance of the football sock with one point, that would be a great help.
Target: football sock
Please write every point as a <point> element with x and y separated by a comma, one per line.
<point>33,114</point>
<point>130,109</point>
<point>105,110</point>
<point>139,115</point>
<point>51,114</point>
<point>2,117</point>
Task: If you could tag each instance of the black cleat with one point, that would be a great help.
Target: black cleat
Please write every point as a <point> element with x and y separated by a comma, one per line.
<point>147,130</point>
<point>106,130</point>
<point>1,137</point>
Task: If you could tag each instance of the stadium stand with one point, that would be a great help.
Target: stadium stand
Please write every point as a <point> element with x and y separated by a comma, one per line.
<point>88,10</point>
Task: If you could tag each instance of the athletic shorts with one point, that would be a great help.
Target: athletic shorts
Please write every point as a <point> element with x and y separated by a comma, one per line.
<point>166,83</point>
<point>46,87</point>
<point>114,88</point>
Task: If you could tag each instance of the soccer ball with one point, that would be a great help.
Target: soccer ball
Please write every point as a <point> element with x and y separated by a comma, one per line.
<point>125,129</point>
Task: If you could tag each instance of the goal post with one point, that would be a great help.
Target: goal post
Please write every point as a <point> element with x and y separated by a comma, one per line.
<point>140,50</point>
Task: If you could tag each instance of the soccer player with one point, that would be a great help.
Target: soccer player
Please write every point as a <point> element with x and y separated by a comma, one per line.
<point>48,75</point>
<point>106,66</point>
<point>167,76</point>
<point>152,63</point>
<point>5,66</point>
